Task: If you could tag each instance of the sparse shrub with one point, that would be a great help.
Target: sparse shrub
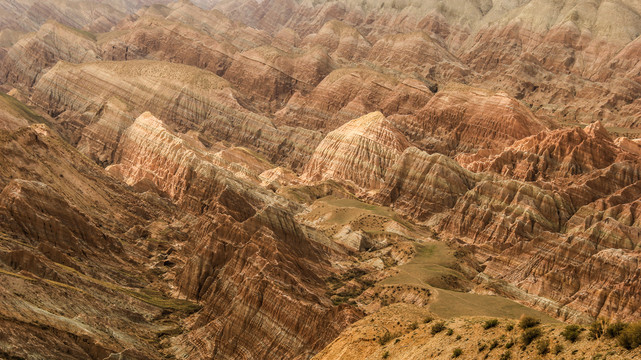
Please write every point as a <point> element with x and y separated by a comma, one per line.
<point>509,327</point>
<point>428,319</point>
<point>387,337</point>
<point>494,344</point>
<point>527,322</point>
<point>449,332</point>
<point>482,347</point>
<point>530,335</point>
<point>458,337</point>
<point>488,324</point>
<point>506,356</point>
<point>615,329</point>
<point>414,326</point>
<point>543,346</point>
<point>571,333</point>
<point>457,352</point>
<point>386,355</point>
<point>597,328</point>
<point>630,337</point>
<point>438,327</point>
<point>509,344</point>
<point>558,348</point>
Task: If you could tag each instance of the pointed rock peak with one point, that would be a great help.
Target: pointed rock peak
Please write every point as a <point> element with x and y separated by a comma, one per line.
<point>148,119</point>
<point>596,129</point>
<point>375,117</point>
<point>374,126</point>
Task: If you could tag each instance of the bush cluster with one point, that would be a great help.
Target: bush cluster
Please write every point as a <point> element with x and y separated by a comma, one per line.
<point>438,327</point>
<point>488,324</point>
<point>527,322</point>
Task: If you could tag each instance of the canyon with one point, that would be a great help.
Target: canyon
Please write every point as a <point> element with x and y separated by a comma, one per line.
<point>288,179</point>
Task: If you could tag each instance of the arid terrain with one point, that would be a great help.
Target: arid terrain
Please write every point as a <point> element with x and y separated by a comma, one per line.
<point>303,179</point>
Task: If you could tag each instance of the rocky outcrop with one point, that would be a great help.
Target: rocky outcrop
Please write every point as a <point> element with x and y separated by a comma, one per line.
<point>186,98</point>
<point>61,215</point>
<point>341,41</point>
<point>553,154</point>
<point>160,39</point>
<point>419,184</point>
<point>349,93</point>
<point>243,247</point>
<point>268,77</point>
<point>35,211</point>
<point>419,53</point>
<point>360,151</point>
<point>29,58</point>
<point>463,119</point>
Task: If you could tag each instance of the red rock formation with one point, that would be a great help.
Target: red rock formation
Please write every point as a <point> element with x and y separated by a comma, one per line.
<point>242,249</point>
<point>552,154</point>
<point>34,54</point>
<point>341,41</point>
<point>349,93</point>
<point>268,77</point>
<point>416,53</point>
<point>188,98</point>
<point>465,119</point>
<point>360,151</point>
<point>419,185</point>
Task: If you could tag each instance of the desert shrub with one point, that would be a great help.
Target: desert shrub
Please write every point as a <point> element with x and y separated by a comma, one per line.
<point>614,330</point>
<point>558,348</point>
<point>509,327</point>
<point>457,352</point>
<point>387,337</point>
<point>482,347</point>
<point>488,324</point>
<point>506,356</point>
<point>386,355</point>
<point>509,344</point>
<point>494,344</point>
<point>527,322</point>
<point>428,319</point>
<point>543,346</point>
<point>449,332</point>
<point>597,329</point>
<point>571,333</point>
<point>438,327</point>
<point>530,335</point>
<point>630,337</point>
<point>414,325</point>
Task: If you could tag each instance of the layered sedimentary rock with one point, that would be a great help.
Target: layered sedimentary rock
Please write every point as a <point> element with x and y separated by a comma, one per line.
<point>185,97</point>
<point>63,271</point>
<point>204,202</point>
<point>268,77</point>
<point>360,151</point>
<point>341,41</point>
<point>28,15</point>
<point>416,53</point>
<point>462,119</point>
<point>244,246</point>
<point>35,53</point>
<point>553,154</point>
<point>161,39</point>
<point>419,184</point>
<point>349,93</point>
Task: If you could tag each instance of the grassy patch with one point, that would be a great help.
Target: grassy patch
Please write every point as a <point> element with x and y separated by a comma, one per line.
<point>157,299</point>
<point>16,108</point>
